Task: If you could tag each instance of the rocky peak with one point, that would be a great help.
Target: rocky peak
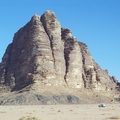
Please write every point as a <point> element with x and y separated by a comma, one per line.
<point>66,33</point>
<point>44,53</point>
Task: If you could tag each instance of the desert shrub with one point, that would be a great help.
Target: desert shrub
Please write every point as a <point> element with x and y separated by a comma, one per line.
<point>28,118</point>
<point>115,117</point>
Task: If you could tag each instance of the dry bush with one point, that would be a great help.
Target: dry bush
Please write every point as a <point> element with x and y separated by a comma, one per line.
<point>115,117</point>
<point>29,118</point>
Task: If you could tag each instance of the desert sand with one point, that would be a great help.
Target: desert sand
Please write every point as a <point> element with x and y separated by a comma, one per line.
<point>61,112</point>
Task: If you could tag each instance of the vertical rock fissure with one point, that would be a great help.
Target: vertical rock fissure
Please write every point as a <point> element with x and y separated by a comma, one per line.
<point>67,51</point>
<point>51,45</point>
<point>66,56</point>
<point>50,38</point>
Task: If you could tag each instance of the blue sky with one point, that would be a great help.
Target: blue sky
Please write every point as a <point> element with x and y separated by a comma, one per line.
<point>94,22</point>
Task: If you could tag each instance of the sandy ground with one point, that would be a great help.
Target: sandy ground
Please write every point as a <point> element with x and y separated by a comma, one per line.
<point>61,112</point>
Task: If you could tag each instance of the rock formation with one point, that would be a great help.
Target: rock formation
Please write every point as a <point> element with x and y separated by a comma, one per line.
<point>45,54</point>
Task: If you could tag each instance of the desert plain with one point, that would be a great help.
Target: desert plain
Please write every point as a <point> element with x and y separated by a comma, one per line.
<point>60,112</point>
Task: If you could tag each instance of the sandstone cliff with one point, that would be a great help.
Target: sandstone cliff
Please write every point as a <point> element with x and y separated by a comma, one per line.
<point>45,54</point>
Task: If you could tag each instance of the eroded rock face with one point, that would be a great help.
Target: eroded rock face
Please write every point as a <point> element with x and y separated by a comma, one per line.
<point>53,30</point>
<point>73,60</point>
<point>43,52</point>
<point>93,76</point>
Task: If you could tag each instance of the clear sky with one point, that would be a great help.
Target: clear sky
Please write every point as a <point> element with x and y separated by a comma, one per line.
<point>94,22</point>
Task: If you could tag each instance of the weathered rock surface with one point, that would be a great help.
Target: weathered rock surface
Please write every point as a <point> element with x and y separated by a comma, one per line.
<point>45,54</point>
<point>93,76</point>
<point>73,60</point>
<point>37,99</point>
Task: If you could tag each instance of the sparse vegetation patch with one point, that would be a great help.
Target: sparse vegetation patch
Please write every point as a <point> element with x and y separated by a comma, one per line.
<point>29,118</point>
<point>115,117</point>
